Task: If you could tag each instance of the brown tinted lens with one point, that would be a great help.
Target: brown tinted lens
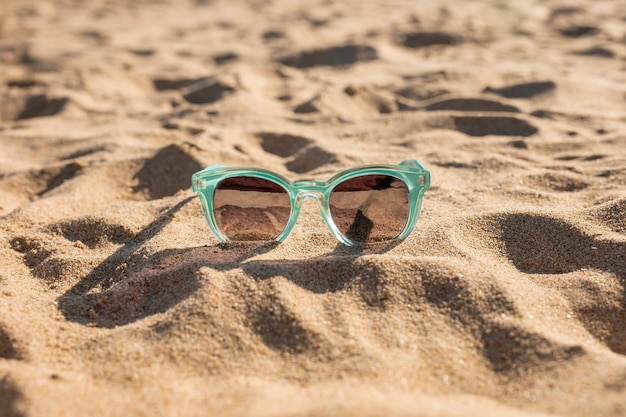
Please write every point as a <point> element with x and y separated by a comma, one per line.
<point>249,208</point>
<point>370,208</point>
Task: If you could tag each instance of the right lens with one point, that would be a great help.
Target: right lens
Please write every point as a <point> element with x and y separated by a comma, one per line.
<point>370,208</point>
<point>250,208</point>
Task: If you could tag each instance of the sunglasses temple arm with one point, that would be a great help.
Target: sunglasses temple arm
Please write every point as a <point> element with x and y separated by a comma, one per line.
<point>211,168</point>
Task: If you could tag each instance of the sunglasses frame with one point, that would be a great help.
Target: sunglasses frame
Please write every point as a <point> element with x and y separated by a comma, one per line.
<point>411,172</point>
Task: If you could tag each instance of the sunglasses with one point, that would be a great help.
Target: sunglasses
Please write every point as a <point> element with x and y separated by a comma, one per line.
<point>365,204</point>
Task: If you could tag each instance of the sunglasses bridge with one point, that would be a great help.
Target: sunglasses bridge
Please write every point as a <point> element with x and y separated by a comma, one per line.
<point>315,190</point>
<point>309,189</point>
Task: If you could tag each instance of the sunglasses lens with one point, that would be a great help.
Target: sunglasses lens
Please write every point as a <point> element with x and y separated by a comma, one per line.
<point>370,208</point>
<point>251,209</point>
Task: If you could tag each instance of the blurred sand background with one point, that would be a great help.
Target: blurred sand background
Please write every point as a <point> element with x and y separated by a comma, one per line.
<point>507,300</point>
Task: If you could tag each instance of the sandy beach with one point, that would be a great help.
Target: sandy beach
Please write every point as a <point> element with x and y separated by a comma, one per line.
<point>508,299</point>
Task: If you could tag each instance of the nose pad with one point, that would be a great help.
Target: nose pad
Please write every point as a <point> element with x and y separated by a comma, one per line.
<point>316,195</point>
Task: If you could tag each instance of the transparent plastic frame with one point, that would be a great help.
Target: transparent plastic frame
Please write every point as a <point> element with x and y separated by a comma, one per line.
<point>411,172</point>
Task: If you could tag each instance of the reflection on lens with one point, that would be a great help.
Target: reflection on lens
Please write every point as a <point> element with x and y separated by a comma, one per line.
<point>370,208</point>
<point>251,209</point>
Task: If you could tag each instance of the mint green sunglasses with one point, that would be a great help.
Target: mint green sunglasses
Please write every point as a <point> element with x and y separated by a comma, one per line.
<point>365,204</point>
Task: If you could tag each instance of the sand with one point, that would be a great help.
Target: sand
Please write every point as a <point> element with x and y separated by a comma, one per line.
<point>507,300</point>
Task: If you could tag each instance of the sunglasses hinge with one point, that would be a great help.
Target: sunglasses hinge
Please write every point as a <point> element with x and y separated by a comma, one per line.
<point>198,184</point>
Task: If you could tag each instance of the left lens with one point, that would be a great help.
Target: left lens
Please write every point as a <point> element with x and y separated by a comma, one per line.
<point>370,208</point>
<point>250,208</point>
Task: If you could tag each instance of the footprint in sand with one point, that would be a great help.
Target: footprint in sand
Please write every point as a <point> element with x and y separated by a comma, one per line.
<point>492,125</point>
<point>523,90</point>
<point>28,106</point>
<point>471,104</point>
<point>418,40</point>
<point>596,51</point>
<point>164,84</point>
<point>305,156</point>
<point>207,91</point>
<point>572,22</point>
<point>203,90</point>
<point>576,31</point>
<point>225,58</point>
<point>271,35</point>
<point>92,231</point>
<point>584,158</point>
<point>333,56</point>
<point>309,159</point>
<point>143,52</point>
<point>24,83</point>
<point>167,172</point>
<point>282,144</point>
